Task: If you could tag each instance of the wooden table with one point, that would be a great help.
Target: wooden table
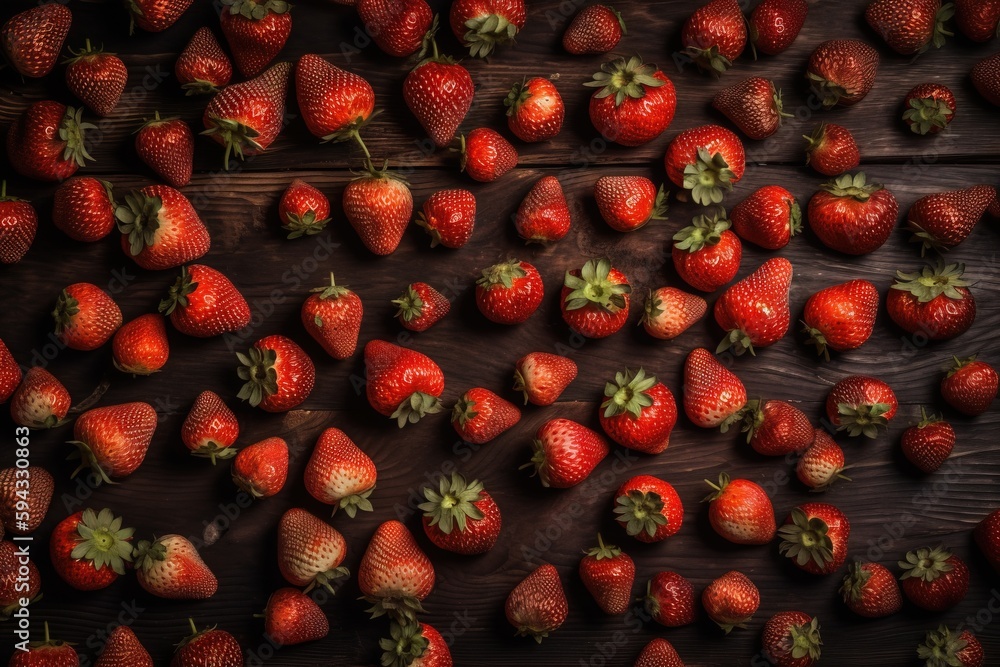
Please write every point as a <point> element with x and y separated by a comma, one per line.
<point>892,509</point>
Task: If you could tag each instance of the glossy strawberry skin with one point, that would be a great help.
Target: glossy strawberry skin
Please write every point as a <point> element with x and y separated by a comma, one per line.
<point>544,215</point>
<point>928,444</point>
<point>832,150</point>
<point>514,304</point>
<point>537,605</point>
<point>379,207</point>
<point>941,318</point>
<point>778,428</point>
<point>395,373</point>
<point>254,42</point>
<point>18,225</point>
<point>97,79</point>
<point>659,653</point>
<point>203,67</point>
<point>719,24</point>
<point>440,95</point>
<point>398,27</point>
<point>83,209</point>
<point>303,209</point>
<point>860,390</point>
<point>432,307</point>
<point>40,401</point>
<point>210,426</point>
<point>907,26</point>
<point>34,146</point>
<point>774,24</point>
<point>309,549</point>
<point>212,647</point>
<point>848,64</point>
<point>821,463</point>
<point>258,104</point>
<point>670,312</point>
<point>214,307</point>
<point>393,564</point>
<point>756,308</point>
<point>596,29</point>
<point>870,590</point>
<point>292,617</point>
<point>449,217</point>
<point>712,393</point>
<point>753,105</point>
<point>944,592</point>
<point>987,537</point>
<point>970,386</point>
<point>567,452</point>
<point>463,11</point>
<point>25,496</point>
<point>80,573</point>
<point>609,580</point>
<point>767,218</point>
<point>543,377</point>
<point>843,315</point>
<point>156,15</point>
<point>486,155</point>
<point>337,469</point>
<point>838,531</point>
<point>671,600</point>
<point>330,98</point>
<point>946,219</point>
<point>650,431</point>
<point>986,78</point>
<point>117,436</point>
<point>777,639</point>
<point>712,266</point>
<point>479,536</point>
<point>261,469</point>
<point>978,19</point>
<point>731,600</point>
<point>86,317</point>
<point>167,146</point>
<point>672,510</point>
<point>592,320</point>
<point>334,322</point>
<point>10,373</point>
<point>481,416</point>
<point>33,38</point>
<point>535,110</point>
<point>683,151</point>
<point>180,236</point>
<point>930,93</point>
<point>636,121</point>
<point>626,202</point>
<point>123,649</point>
<point>742,512</point>
<point>850,226</point>
<point>140,347</point>
<point>296,374</point>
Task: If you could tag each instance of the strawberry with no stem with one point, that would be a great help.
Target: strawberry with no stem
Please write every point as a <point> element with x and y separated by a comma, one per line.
<point>310,551</point>
<point>707,254</point>
<point>659,653</point>
<point>486,155</point>
<point>378,204</point>
<point>537,605</point>
<point>708,160</point>
<point>670,600</point>
<point>449,217</point>
<point>335,104</point>
<point>25,495</point>
<point>397,26</point>
<point>166,145</point>
<point>635,102</point>
<point>648,508</point>
<point>822,462</point>
<point>256,31</point>
<point>18,224</point>
<point>715,35</point>
<point>970,386</point>
<point>210,429</point>
<point>669,312</point>
<point>482,25</point>
<point>774,25</point>
<point>113,440</point>
<point>929,108</point>
<point>979,20</point>
<point>395,575</point>
<point>935,303</point>
<point>842,72</point>
<point>740,511</point>
<point>595,299</point>
<point>332,315</point>
<point>852,216</point>
<point>629,202</point>
<point>841,317</point>
<point>928,444</point>
<point>278,374</point>
<point>543,216</point>
<point>755,310</point>
<point>160,228</point>
<point>509,292</point>
<point>638,412</point>
<point>815,537</point>
<point>292,617</point>
<point>203,302</point>
<point>910,27</point>
<point>439,92</point>
<point>791,639</point>
<point>731,600</point>
<point>47,142</point>
<point>83,208</point>
<point>870,590</point>
<point>10,373</point>
<point>951,647</point>
<point>753,105</point>
<point>776,428</point>
<point>713,395</point>
<point>210,646</point>
<point>203,67</point>
<point>942,220</point>
<point>89,549</point>
<point>85,317</point>
<point>480,416</point>
<point>420,306</point>
<point>155,15</point>
<point>460,516</point>
<point>986,78</point>
<point>96,77</point>
<point>608,574</point>
<point>46,653</point>
<point>33,38</point>
<point>543,377</point>
<point>261,469</point>
<point>934,579</point>
<point>769,217</point>
<point>595,30</point>
<point>140,347</point>
<point>831,149</point>
<point>535,110</point>
<point>303,209</point>
<point>15,587</point>
<point>40,401</point>
<point>402,383</point>
<point>123,649</point>
<point>339,473</point>
<point>860,405</point>
<point>170,567</point>
<point>987,537</point>
<point>565,453</point>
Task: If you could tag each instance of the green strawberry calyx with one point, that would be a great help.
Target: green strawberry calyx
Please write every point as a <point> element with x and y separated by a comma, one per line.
<point>518,95</point>
<point>256,10</point>
<point>708,177</point>
<point>66,310</point>
<point>928,419</point>
<point>326,579</point>
<point>628,394</point>
<point>88,52</point>
<point>539,460</point>
<point>626,80</point>
<point>805,540</point>
<point>704,231</point>
<point>72,130</point>
<point>431,230</point>
<point>959,364</point>
<point>415,407</point>
<point>6,197</point>
<point>399,606</point>
<point>854,582</point>
<point>652,308</point>
<point>452,505</point>
<point>139,220</point>
<point>805,641</point>
<point>146,554</point>
<point>603,551</point>
<point>718,489</point>
<point>259,374</point>
<point>594,288</point>
<point>944,14</point>
<point>752,415</point>
<point>214,451</point>
<point>829,92</point>
<point>87,460</point>
<point>941,647</point>
<point>306,224</point>
<point>410,305</point>
<point>464,411</point>
<point>235,136</point>
<point>177,296</point>
<point>933,281</point>
<point>660,205</point>
<point>331,291</point>
<point>855,186</point>
<point>102,540</point>
<point>404,645</point>
<point>640,512</point>
<point>710,59</point>
<point>926,564</point>
<point>927,114</point>
<point>195,634</point>
<point>817,338</point>
<point>486,32</point>
<point>48,641</point>
<point>862,419</point>
<point>354,502</point>
<point>503,274</point>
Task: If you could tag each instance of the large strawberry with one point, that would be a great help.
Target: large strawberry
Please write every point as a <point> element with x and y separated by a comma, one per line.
<point>565,453</point>
<point>543,377</point>
<point>537,605</point>
<point>635,102</point>
<point>731,600</point>
<point>460,516</point>
<point>910,26</point>
<point>210,429</point>
<point>482,25</point>
<point>279,375</point>
<point>832,150</point>
<point>395,575</point>
<point>46,653</point>
<point>638,411</point>
<point>310,551</point>
<point>97,78</point>
<point>934,579</point>
<point>769,217</point>
<point>25,495</point>
<point>46,142</point>
<point>535,110</point>
<point>378,204</point>
<point>332,316</point>
<point>335,104</point>
<point>84,209</point>
<point>449,217</point>
<point>629,202</point>
<point>595,299</point>
<point>140,347</point>
<point>33,38</point>
<point>256,31</point>
<point>260,470</point>
<point>543,216</point>
<point>123,649</point>
<point>659,653</point>
<point>851,215</point>
<point>706,254</point>
<point>842,71</point>
<point>929,108</point>
<point>669,312</point>
<point>969,386</point>
<point>708,160</point>
<point>397,26</point>
<point>414,645</point>
<point>160,228</point>
<point>339,473</point>
<point>713,395</point>
<point>755,310</point>
<point>89,549</point>
<point>155,15</point>
<point>740,511</point>
<point>608,575</point>
<point>986,78</point>
<point>815,537</point>
<point>841,317</point>
<point>945,646</point>
<point>420,307</point>
<point>85,317</point>
<point>439,92</point>
<point>715,35</point>
<point>774,25</point>
<point>18,225</point>
<point>40,401</point>
<point>648,508</point>
<point>597,29</point>
<point>203,67</point>
<point>870,590</point>
<point>170,567</point>
<point>292,617</point>
<point>402,383</point>
<point>166,145</point>
<point>861,405</point>
<point>113,440</point>
<point>203,302</point>
<point>943,220</point>
<point>928,444</point>
<point>821,463</point>
<point>935,303</point>
<point>670,600</point>
<point>979,20</point>
<point>480,416</point>
<point>210,646</point>
<point>791,639</point>
<point>509,292</point>
<point>776,428</point>
<point>486,155</point>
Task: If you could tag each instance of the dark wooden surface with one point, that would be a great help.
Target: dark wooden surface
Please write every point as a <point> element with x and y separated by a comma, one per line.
<point>891,508</point>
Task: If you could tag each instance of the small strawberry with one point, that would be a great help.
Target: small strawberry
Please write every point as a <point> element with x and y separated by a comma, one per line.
<point>986,78</point>
<point>659,653</point>
<point>402,384</point>
<point>335,104</point>
<point>755,310</point>
<point>113,440</point>
<point>160,228</point>
<point>140,347</point>
<point>753,105</point>
<point>439,92</point>
<point>509,292</point>
<point>841,317</point>
<point>814,537</point>
<point>210,646</point>
<point>970,386</point>
<point>394,574</point>
<point>41,401</point>
<point>595,299</point>
<point>934,303</point>
<point>32,39</point>
<point>47,141</point>
<point>715,35</point>
<point>449,216</point>
<point>707,253</point>
<point>543,377</point>
<point>378,204</point>
<point>303,209</point>
<point>852,216</point>
<point>769,217</point>
<point>535,110</point>
<point>10,373</point>
<point>595,30</point>
<point>537,605</point>
<point>332,315</point>
<point>979,20</point>
<point>860,405</point>
<point>543,216</point>
<point>648,508</point>
<point>776,428</point>
<point>25,495</point>
<point>310,551</point>
<point>210,429</point>
<point>928,444</point>
<point>167,146</point>
<point>279,375</point>
<point>339,473</point>
<point>635,102</point>
<point>414,645</point>
<point>17,587</point>
<point>951,647</point>
<point>292,617</point>
<point>669,312</point>
<point>256,31</point>
<point>85,317</point>
<point>831,149</point>
<point>97,78</point>
<point>460,516</point>
<point>910,27</point>
<point>638,412</point>
<point>123,649</point>
<point>713,395</point>
<point>740,511</point>
<point>987,537</point>
<point>420,307</point>
<point>608,574</point>
<point>774,25</point>
<point>261,469</point>
<point>397,26</point>
<point>565,453</point>
<point>822,462</point>
<point>18,225</point>
<point>47,653</point>
<point>629,202</point>
<point>934,579</point>
<point>870,590</point>
<point>708,160</point>
<point>792,639</point>
<point>670,600</point>
<point>89,549</point>
<point>486,155</point>
<point>942,220</point>
<point>929,108</point>
<point>482,25</point>
<point>155,15</point>
<point>203,67</point>
<point>842,72</point>
<point>731,600</point>
<point>480,416</point>
<point>203,302</point>
<point>84,209</point>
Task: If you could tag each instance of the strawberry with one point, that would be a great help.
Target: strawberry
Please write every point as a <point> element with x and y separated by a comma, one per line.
<point>934,303</point>
<point>535,110</point>
<point>25,494</point>
<point>870,590</point>
<point>740,511</point>
<point>970,386</point>
<point>821,463</point>
<point>123,649</point>
<point>303,209</point>
<point>397,26</point>
<point>460,516</point>
<point>842,72</point>
<point>310,551</point>
<point>18,224</point>
<point>638,412</point>
<point>402,384</point>
<point>47,653</point>
<point>160,228</point>
<point>84,209</point>
<point>210,646</point>
<point>669,312</point>
<point>595,298</point>
<point>713,395</point>
<point>934,579</point>
<point>210,429</point>
<point>597,29</point>
<point>708,160</point>
<point>203,302</point>
<point>335,104</point>
<point>776,428</point>
<point>332,316</point>
<point>831,150</point>
<point>537,605</point>
<point>715,35</point>
<point>449,216</point>
<point>755,310</point>
<point>89,549</point>
<point>97,78</point>
<point>509,292</point>
<point>928,444</point>
<point>608,574</point>
<point>203,67</point>
<point>482,25</point>
<point>420,307</point>
<point>860,405</point>
<point>565,453</point>
<point>753,105</point>
<point>394,574</point>
<point>261,469</point>
<point>814,537</point>
<point>85,317</point>
<point>32,39</point>
<point>167,146</point>
<point>852,216</point>
<point>439,92</point>
<point>155,15</point>
<point>378,204</point>
<point>170,567</point>
<point>543,216</point>
<point>979,20</point>
<point>910,26</point>
<point>46,142</point>
<point>629,202</point>
<point>246,117</point>
<point>648,508</point>
<point>987,537</point>
<point>774,25</point>
<point>292,617</point>
<point>256,31</point>
<point>339,473</point>
<point>414,645</point>
<point>707,253</point>
<point>951,647</point>
<point>769,217</point>
<point>279,375</point>
<point>486,155</point>
<point>659,653</point>
<point>670,600</point>
<point>480,416</point>
<point>113,440</point>
<point>942,220</point>
<point>986,78</point>
<point>635,102</point>
<point>41,401</point>
<point>841,317</point>
<point>140,347</point>
<point>10,373</point>
<point>929,108</point>
<point>731,600</point>
<point>791,639</point>
<point>15,587</point>
<point>543,377</point>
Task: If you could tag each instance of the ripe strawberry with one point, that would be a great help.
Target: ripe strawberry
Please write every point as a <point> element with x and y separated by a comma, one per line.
<point>774,25</point>
<point>397,26</point>
<point>638,412</point>
<point>123,649</point>
<point>740,511</point>
<point>89,549</point>
<point>934,579</point>
<point>543,216</point>
<point>608,575</point>
<point>841,317</point>
<point>870,590</point>
<point>335,104</point>
<point>731,600</point>
<point>509,292</point>
<point>769,217</point>
<point>648,508</point>
<point>203,67</point>
<point>279,375</point>
<point>535,110</point>
<point>707,254</point>
<point>935,303</point>
<point>791,639</point>
<point>910,26</point>
<point>85,317</point>
<point>256,32</point>
<point>303,209</point>
<point>113,440</point>
<point>480,416</point>
<point>543,377</point>
<point>47,142</point>
<point>860,404</point>
<point>842,72</point>
<point>210,429</point>
<point>815,537</point>
<point>943,220</point>
<point>659,653</point>
<point>486,155</point>
<point>776,428</point>
<point>246,117</point>
<point>41,401</point>
<point>629,202</point>
<point>715,35</point>
<point>332,316</point>
<point>852,216</point>
<point>595,298</point>
<point>753,105</point>
<point>47,653</point>
<point>33,38</point>
<point>18,224</point>
<point>460,516</point>
<point>565,453</point>
<point>670,600</point>
<point>635,103</point>
<point>140,347</point>
<point>713,395</point>
<point>822,462</point>
<point>402,384</point>
<point>203,302</point>
<point>970,386</point>
<point>929,108</point>
<point>707,160</point>
<point>84,209</point>
<point>928,444</point>
<point>210,646</point>
<point>420,306</point>
<point>537,605</point>
<point>414,645</point>
<point>439,92</point>
<point>979,20</point>
<point>831,150</point>
<point>987,537</point>
<point>310,551</point>
<point>339,473</point>
<point>160,228</point>
<point>951,647</point>
<point>10,373</point>
<point>755,310</point>
<point>261,469</point>
<point>167,146</point>
<point>25,494</point>
<point>669,312</point>
<point>595,30</point>
<point>449,216</point>
<point>97,78</point>
<point>155,15</point>
<point>14,587</point>
<point>378,204</point>
<point>292,617</point>
<point>986,78</point>
<point>482,25</point>
<point>394,574</point>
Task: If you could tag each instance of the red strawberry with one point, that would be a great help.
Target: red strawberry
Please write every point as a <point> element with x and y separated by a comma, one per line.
<point>397,26</point>
<point>509,292</point>
<point>707,160</point>
<point>670,600</point>
<point>449,217</point>
<point>33,38</point>
<point>439,92</point>
<point>167,147</point>
<point>41,401</point>
<point>910,26</point>
<point>713,396</point>
<point>84,209</point>
<point>543,216</point>
<point>18,224</point>
<point>155,15</point>
<point>203,67</point>
<point>951,647</point>
<point>753,105</point>
<point>10,373</point>
<point>860,404</point>
<point>970,386</point>
<point>332,316</point>
<point>261,469</point>
<point>535,110</point>
<point>113,440</point>
<point>934,303</point>
<point>841,317</point>
<point>160,228</point>
<point>460,516</point>
<point>832,150</point>
<point>335,104</point>
<point>934,579</point>
<point>203,302</point>
<point>815,537</point>
<point>537,605</point>
<point>822,462</point>
<point>769,217</point>
<point>543,377</point>
<point>482,25</point>
<point>97,78</point>
<point>565,453</point>
<point>47,143</point>
<point>987,537</point>
<point>310,551</point>
<point>47,653</point>
<point>791,639</point>
<point>740,511</point>
<point>123,649</point>
<point>247,117</point>
<point>480,416</point>
<point>486,155</point>
<point>715,35</point>
<point>852,216</point>
<point>929,108</point>
<point>776,428</point>
<point>774,25</point>
<point>638,412</point>
<point>669,312</point>
<point>707,254</point>
<point>420,306</point>
<point>303,209</point>
<point>279,375</point>
<point>256,32</point>
<point>608,575</point>
<point>596,29</point>
<point>210,429</point>
<point>25,494</point>
<point>339,473</point>
<point>89,549</point>
<point>943,220</point>
<point>595,299</point>
<point>731,600</point>
<point>210,646</point>
<point>842,71</point>
<point>928,444</point>
<point>292,617</point>
<point>658,653</point>
<point>402,383</point>
<point>979,20</point>
<point>414,645</point>
<point>870,590</point>
<point>16,587</point>
<point>394,574</point>
<point>986,78</point>
<point>140,347</point>
<point>629,202</point>
<point>755,310</point>
<point>635,103</point>
<point>648,508</point>
<point>378,204</point>
<point>85,317</point>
